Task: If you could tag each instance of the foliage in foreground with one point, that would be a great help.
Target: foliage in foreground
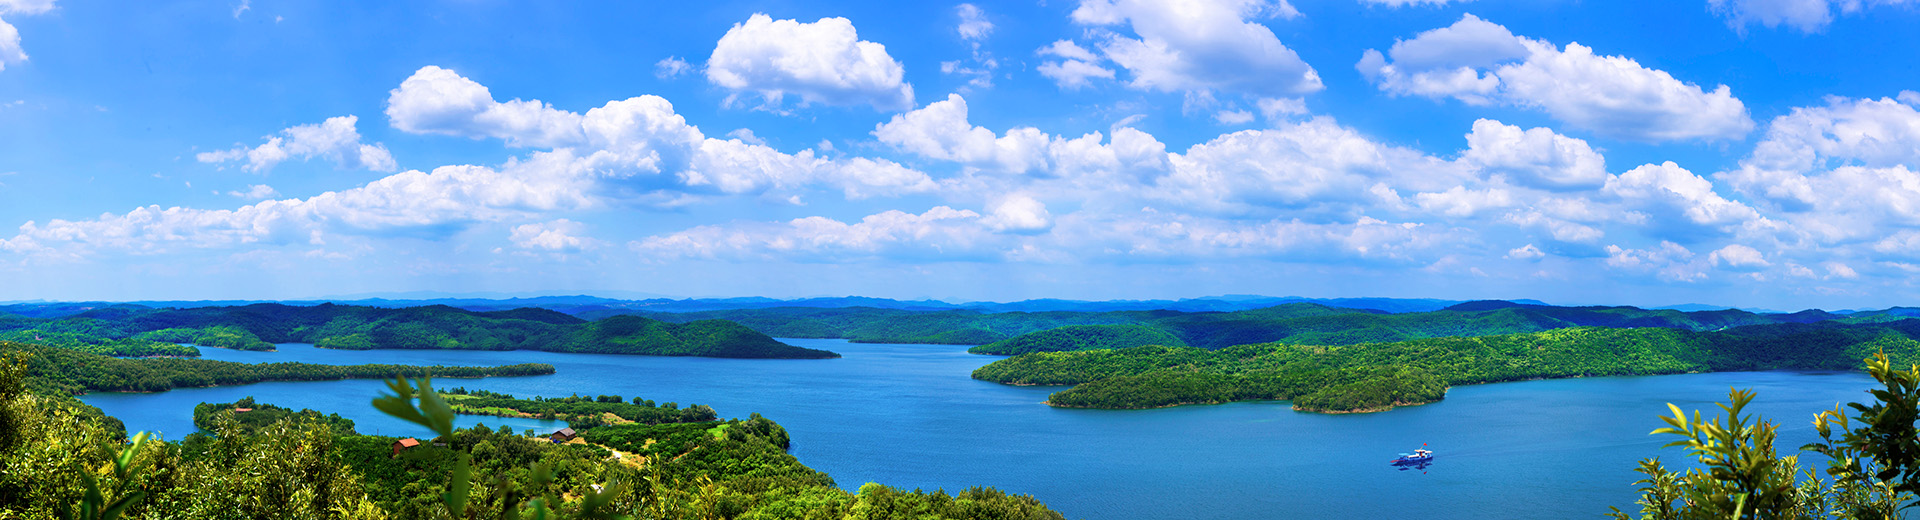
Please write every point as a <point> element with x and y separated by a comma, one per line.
<point>1874,463</point>
<point>300,466</point>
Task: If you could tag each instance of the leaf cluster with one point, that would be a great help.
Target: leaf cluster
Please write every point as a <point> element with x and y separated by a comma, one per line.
<point>1871,461</point>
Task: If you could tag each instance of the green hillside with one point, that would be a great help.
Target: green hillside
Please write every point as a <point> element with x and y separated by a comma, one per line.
<point>1081,337</point>
<point>131,330</point>
<point>274,462</point>
<point>1313,324</point>
<point>871,325</point>
<point>1376,376</point>
<point>70,372</point>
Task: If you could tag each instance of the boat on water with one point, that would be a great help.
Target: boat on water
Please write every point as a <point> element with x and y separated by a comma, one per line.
<point>1417,457</point>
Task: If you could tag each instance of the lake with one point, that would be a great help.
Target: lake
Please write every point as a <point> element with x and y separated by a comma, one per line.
<point>909,416</point>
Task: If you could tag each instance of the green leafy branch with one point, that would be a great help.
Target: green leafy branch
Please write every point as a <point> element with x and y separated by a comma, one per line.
<point>94,505</point>
<point>423,406</point>
<point>1874,459</point>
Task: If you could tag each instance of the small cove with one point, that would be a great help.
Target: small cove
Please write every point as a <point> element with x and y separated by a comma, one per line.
<point>908,416</point>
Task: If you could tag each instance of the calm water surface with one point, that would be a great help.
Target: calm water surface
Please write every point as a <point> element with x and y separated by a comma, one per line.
<point>909,416</point>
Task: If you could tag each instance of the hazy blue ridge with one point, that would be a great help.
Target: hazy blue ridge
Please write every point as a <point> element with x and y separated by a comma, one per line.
<point>345,327</point>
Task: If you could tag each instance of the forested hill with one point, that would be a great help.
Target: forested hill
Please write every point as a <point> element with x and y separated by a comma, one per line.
<point>1307,323</point>
<point>583,305</point>
<point>258,326</point>
<point>59,371</point>
<point>1377,376</point>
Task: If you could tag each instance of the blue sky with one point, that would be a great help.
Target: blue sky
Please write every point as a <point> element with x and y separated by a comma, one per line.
<point>1739,152</point>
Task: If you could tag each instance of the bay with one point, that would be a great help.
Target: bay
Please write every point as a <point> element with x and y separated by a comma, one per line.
<point>909,416</point>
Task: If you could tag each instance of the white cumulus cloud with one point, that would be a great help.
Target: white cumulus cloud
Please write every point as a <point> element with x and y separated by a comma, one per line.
<point>974,28</point>
<point>1459,201</point>
<point>1279,108</point>
<point>1482,63</point>
<point>1668,261</point>
<point>1019,230</point>
<point>1404,3</point>
<point>25,6</point>
<point>10,49</point>
<point>1535,157</point>
<point>1200,45</point>
<point>1784,166</point>
<point>629,152</point>
<point>1840,270</point>
<point>822,62</point>
<point>1076,67</point>
<point>638,148</point>
<point>410,203</point>
<point>1844,172</point>
<point>671,67</point>
<point>1233,117</point>
<point>439,101</point>
<point>1680,202</point>
<point>1739,257</point>
<point>1526,252</point>
<point>974,25</point>
<point>1019,213</point>
<point>1154,237</point>
<point>336,140</point>
<point>256,192</point>
<point>1807,16</point>
<point>1315,166</point>
<point>941,131</point>
<point>939,233</point>
<point>560,236</point>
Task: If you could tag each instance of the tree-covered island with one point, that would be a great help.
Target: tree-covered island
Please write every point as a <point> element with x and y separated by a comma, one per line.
<point>1380,376</point>
<point>579,412</point>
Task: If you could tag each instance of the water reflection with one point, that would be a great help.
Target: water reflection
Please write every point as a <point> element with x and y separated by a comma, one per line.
<point>1410,466</point>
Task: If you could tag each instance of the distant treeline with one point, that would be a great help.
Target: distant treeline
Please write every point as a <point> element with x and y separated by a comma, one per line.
<point>124,347</point>
<point>1375,376</point>
<point>1082,337</point>
<point>1299,323</point>
<point>139,331</point>
<point>871,325</point>
<point>73,372</point>
<point>217,336</point>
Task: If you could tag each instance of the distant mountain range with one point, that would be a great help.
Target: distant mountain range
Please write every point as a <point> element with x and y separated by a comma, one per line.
<point>577,304</point>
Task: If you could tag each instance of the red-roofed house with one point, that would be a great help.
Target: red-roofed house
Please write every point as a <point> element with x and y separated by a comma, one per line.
<point>404,444</point>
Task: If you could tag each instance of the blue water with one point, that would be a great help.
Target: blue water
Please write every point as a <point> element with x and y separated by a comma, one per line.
<point>908,416</point>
